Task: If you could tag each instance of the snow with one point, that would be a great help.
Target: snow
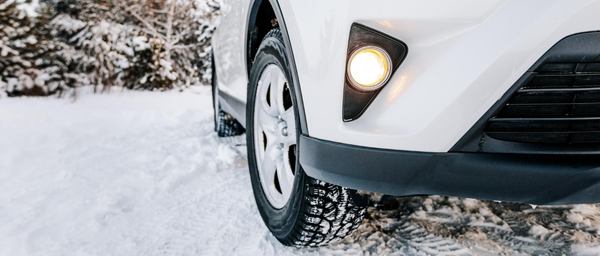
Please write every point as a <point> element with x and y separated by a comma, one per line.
<point>142,173</point>
<point>28,8</point>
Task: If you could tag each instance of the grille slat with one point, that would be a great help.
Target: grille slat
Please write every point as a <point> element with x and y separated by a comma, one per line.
<point>559,105</point>
<point>543,110</point>
<point>557,97</point>
<point>571,89</point>
<point>556,137</point>
<point>544,119</point>
<point>543,125</point>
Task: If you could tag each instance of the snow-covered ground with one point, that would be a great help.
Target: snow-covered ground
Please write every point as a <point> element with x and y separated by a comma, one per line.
<point>142,173</point>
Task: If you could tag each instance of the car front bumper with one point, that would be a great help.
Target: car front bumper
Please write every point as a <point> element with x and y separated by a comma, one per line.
<point>463,56</point>
<point>533,179</point>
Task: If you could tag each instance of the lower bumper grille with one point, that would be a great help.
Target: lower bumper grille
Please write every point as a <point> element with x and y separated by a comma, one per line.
<point>559,104</point>
<point>553,109</point>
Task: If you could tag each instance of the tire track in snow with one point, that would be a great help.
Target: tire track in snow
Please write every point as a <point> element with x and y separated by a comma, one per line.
<point>451,226</point>
<point>395,232</point>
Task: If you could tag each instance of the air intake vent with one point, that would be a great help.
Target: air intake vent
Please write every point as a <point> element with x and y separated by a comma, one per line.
<point>560,104</point>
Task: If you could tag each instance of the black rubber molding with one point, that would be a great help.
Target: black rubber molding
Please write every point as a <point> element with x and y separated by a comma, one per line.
<point>540,179</point>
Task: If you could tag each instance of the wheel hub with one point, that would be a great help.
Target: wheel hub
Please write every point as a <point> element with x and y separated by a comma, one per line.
<point>282,127</point>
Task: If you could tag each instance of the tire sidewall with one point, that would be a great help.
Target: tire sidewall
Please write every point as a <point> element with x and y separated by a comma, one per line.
<point>281,222</point>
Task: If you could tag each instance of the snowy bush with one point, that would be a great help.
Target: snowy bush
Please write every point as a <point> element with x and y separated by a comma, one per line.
<point>30,58</point>
<point>136,44</point>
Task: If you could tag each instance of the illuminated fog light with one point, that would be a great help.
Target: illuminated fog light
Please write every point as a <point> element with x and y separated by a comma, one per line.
<point>369,68</point>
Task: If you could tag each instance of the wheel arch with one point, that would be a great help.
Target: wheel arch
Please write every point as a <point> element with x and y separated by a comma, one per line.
<point>263,16</point>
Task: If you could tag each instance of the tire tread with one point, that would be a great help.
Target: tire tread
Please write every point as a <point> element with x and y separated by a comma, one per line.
<point>328,215</point>
<point>227,126</point>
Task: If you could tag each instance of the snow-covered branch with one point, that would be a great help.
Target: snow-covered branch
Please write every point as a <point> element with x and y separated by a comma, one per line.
<point>137,44</point>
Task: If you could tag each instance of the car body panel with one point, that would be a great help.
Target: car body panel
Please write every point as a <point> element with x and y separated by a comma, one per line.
<point>463,56</point>
<point>230,51</point>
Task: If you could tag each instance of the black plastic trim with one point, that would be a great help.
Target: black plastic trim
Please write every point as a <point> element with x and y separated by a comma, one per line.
<point>252,15</point>
<point>575,48</point>
<point>356,101</point>
<point>534,179</point>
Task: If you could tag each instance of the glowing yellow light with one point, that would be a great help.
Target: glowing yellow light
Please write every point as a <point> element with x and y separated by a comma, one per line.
<point>369,68</point>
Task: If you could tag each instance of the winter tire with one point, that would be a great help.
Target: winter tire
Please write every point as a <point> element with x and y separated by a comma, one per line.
<point>297,209</point>
<point>225,124</point>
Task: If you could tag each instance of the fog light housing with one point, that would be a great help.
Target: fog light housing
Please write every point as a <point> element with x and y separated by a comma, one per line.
<point>369,68</point>
<point>364,81</point>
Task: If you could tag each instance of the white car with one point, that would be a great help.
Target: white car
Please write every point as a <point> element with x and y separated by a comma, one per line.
<point>495,100</point>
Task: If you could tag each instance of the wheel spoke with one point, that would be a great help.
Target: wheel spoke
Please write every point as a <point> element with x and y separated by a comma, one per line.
<point>277,85</point>
<point>264,96</point>
<point>286,177</point>
<point>267,123</point>
<point>267,114</point>
<point>269,163</point>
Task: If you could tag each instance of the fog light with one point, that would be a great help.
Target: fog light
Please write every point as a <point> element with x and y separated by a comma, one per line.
<point>369,68</point>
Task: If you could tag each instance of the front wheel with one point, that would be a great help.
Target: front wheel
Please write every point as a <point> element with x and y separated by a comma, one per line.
<point>297,209</point>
